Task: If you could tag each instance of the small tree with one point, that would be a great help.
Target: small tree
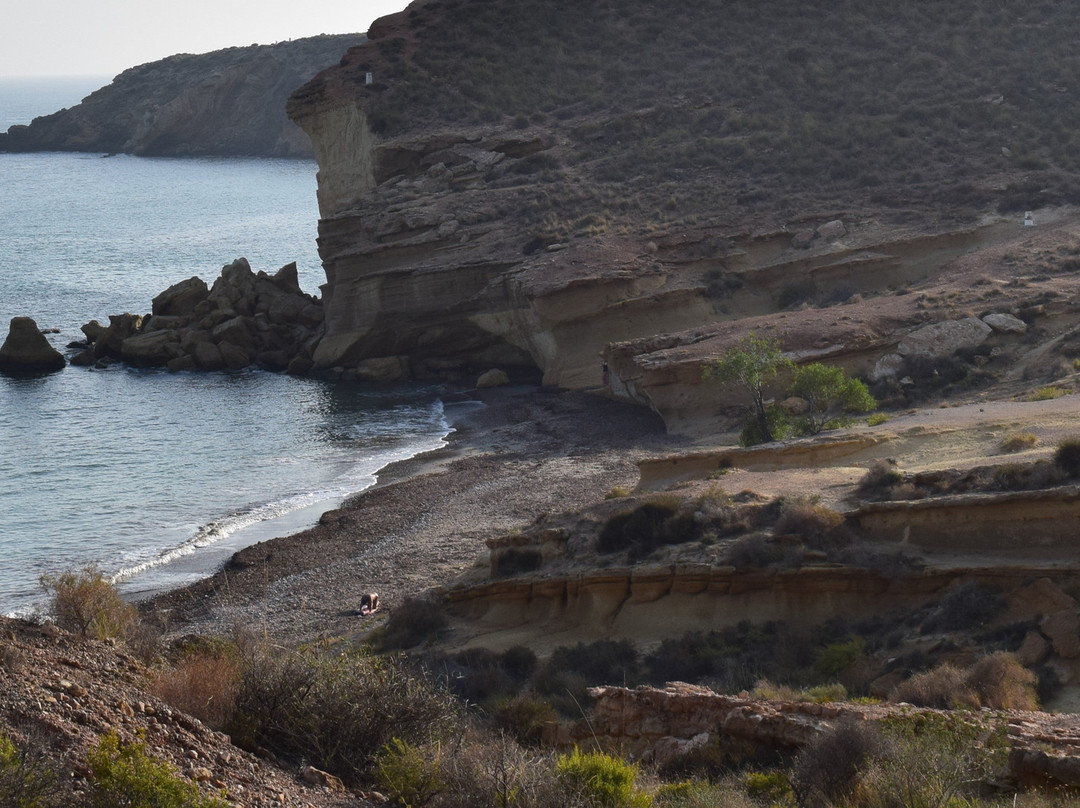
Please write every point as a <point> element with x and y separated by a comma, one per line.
<point>829,392</point>
<point>752,364</point>
<point>86,602</point>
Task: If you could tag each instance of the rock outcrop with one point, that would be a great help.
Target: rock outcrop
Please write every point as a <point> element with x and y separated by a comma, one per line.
<point>662,725</point>
<point>549,214</point>
<point>228,102</point>
<point>27,350</point>
<point>245,319</point>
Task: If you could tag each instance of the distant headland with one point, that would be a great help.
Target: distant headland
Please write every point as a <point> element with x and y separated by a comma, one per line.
<point>228,102</point>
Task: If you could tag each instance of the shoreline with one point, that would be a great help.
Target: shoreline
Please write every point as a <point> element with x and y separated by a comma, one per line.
<point>520,453</point>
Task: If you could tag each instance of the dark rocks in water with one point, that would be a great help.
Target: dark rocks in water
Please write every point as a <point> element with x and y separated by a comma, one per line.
<point>27,350</point>
<point>246,318</point>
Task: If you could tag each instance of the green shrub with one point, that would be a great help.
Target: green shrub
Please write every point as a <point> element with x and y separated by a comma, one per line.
<point>26,779</point>
<point>771,788</point>
<point>1017,441</point>
<point>125,775</point>
<point>414,621</point>
<point>1067,457</point>
<point>602,662</point>
<point>778,421</point>
<point>933,761</point>
<point>827,770</point>
<point>407,775</point>
<point>944,687</point>
<point>87,603</point>
<point>645,528</point>
<point>516,560</point>
<point>877,419</point>
<point>334,710</point>
<point>601,780</point>
<point>524,717</point>
<point>203,684</point>
<point>835,657</point>
<point>1046,394</point>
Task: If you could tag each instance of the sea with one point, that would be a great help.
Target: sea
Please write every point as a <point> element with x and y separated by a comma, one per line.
<point>155,478</point>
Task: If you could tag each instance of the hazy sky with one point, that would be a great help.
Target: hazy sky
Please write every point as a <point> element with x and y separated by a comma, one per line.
<point>86,38</point>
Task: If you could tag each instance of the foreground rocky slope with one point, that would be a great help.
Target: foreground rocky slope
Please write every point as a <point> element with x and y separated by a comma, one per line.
<point>62,693</point>
<point>228,102</point>
<point>547,188</point>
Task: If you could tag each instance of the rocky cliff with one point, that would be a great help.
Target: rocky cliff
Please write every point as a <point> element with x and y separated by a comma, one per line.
<point>549,187</point>
<point>228,102</point>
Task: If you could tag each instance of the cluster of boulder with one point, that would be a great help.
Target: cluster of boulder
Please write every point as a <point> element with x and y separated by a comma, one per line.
<point>244,319</point>
<point>946,338</point>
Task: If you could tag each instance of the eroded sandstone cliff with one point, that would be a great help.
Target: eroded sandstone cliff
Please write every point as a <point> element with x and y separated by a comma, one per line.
<point>552,188</point>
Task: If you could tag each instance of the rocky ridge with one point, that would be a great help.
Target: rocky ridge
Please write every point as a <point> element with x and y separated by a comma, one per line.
<point>227,102</point>
<point>62,693</point>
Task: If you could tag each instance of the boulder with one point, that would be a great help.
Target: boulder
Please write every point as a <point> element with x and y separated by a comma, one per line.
<point>1005,323</point>
<point>1033,650</point>
<point>149,348</point>
<point>383,369</point>
<point>234,356</point>
<point>795,406</point>
<point>1063,629</point>
<point>93,330</point>
<point>180,299</point>
<point>493,378</point>
<point>208,356</point>
<point>830,231</point>
<point>803,239</point>
<point>120,328</point>
<point>945,339</point>
<point>26,349</point>
<point>888,367</point>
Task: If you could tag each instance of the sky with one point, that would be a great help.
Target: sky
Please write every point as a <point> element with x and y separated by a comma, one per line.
<point>103,38</point>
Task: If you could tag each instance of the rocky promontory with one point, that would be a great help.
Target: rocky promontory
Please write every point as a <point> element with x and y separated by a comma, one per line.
<point>227,102</point>
<point>244,319</point>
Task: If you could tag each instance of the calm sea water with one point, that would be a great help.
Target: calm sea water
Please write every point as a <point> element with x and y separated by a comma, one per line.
<point>157,477</point>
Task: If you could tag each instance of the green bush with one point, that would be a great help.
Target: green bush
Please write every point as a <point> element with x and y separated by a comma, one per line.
<point>407,775</point>
<point>601,780</point>
<point>414,621</point>
<point>334,710</point>
<point>26,779</point>
<point>779,425</point>
<point>1067,457</point>
<point>645,528</point>
<point>516,560</point>
<point>86,602</point>
<point>835,657</point>
<point>524,717</point>
<point>125,775</point>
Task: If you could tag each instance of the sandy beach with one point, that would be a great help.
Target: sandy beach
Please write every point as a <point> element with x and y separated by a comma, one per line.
<point>515,455</point>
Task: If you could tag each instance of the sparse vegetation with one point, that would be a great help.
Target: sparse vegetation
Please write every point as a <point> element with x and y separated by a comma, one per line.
<point>26,780</point>
<point>830,393</point>
<point>752,365</point>
<point>1046,394</point>
<point>1018,441</point>
<point>86,602</point>
<point>125,774</point>
<point>601,780</point>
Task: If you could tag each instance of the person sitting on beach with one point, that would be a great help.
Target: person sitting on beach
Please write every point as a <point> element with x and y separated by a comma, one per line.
<point>369,604</point>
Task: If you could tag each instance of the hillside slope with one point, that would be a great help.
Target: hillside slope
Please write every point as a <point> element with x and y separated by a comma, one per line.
<point>525,183</point>
<point>227,102</point>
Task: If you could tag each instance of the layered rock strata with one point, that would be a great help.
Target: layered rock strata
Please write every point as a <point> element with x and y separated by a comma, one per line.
<point>244,319</point>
